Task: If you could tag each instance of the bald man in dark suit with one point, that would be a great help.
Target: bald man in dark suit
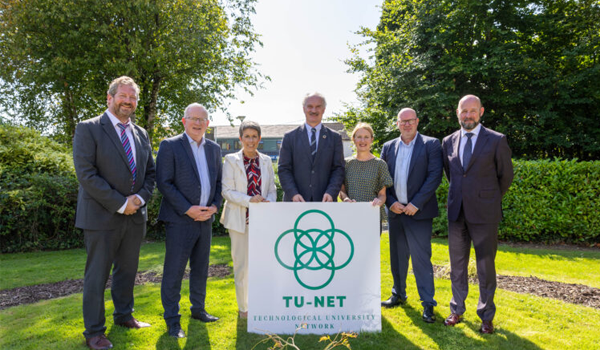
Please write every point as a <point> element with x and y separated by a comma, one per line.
<point>114,166</point>
<point>477,163</point>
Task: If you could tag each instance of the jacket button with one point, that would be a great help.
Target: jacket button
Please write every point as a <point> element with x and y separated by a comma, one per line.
<point>464,175</point>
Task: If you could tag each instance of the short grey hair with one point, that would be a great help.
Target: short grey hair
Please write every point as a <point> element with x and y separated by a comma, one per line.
<point>311,94</point>
<point>192,105</point>
<point>123,80</point>
<point>249,124</point>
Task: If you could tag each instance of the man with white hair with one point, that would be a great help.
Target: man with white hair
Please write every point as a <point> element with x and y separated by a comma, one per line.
<point>189,177</point>
<point>311,159</point>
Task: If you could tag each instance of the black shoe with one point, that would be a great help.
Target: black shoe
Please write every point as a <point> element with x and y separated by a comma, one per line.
<point>176,331</point>
<point>204,317</point>
<point>394,300</point>
<point>428,315</point>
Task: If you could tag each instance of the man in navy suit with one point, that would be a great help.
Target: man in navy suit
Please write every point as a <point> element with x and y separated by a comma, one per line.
<point>415,163</point>
<point>189,178</point>
<point>479,168</point>
<point>311,159</point>
<point>114,166</point>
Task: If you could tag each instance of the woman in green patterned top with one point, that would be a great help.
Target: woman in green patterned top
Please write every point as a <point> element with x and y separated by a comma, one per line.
<point>367,176</point>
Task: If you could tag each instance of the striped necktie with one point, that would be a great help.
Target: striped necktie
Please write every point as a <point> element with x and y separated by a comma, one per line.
<point>313,143</point>
<point>128,151</point>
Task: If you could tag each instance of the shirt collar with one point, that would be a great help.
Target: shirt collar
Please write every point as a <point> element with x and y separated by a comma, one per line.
<point>411,143</point>
<point>475,131</point>
<point>191,140</point>
<point>114,120</point>
<point>318,126</point>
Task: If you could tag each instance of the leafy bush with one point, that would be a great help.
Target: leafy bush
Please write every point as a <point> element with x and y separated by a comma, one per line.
<point>38,192</point>
<point>548,201</point>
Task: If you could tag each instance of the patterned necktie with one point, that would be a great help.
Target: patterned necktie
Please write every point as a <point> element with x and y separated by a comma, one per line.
<point>468,151</point>
<point>313,143</point>
<point>128,152</point>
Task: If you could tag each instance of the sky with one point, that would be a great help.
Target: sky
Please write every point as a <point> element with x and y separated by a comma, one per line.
<point>305,43</point>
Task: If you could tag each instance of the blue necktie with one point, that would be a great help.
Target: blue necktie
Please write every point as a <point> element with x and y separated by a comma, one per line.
<point>468,151</point>
<point>128,152</point>
<point>313,143</point>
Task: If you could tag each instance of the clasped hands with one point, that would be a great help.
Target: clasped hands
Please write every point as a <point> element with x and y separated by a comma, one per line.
<point>298,198</point>
<point>408,209</point>
<point>133,204</point>
<point>201,213</point>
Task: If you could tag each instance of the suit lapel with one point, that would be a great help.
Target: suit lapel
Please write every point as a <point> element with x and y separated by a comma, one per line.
<point>110,131</point>
<point>185,143</point>
<point>418,148</point>
<point>324,137</point>
<point>482,139</point>
<point>392,158</point>
<point>210,160</point>
<point>138,146</point>
<point>304,144</point>
<point>456,149</point>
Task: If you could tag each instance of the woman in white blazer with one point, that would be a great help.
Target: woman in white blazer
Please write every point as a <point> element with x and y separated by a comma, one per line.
<point>247,177</point>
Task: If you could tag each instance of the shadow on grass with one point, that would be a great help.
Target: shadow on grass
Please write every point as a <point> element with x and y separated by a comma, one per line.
<point>197,338</point>
<point>443,336</point>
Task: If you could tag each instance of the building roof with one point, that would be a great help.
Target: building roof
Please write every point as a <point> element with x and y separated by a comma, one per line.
<point>271,131</point>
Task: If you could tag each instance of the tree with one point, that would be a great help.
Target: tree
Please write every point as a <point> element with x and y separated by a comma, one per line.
<point>59,56</point>
<point>535,64</point>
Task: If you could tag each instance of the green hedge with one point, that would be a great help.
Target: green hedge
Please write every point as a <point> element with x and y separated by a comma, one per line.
<point>38,192</point>
<point>549,201</point>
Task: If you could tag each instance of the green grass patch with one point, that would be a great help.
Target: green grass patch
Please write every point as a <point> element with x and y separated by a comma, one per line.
<point>522,321</point>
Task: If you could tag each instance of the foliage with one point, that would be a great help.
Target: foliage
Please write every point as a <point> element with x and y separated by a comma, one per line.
<point>548,201</point>
<point>38,192</point>
<point>59,56</point>
<point>535,64</point>
<point>340,340</point>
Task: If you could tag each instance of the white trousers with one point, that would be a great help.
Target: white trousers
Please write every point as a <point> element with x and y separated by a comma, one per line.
<point>239,254</point>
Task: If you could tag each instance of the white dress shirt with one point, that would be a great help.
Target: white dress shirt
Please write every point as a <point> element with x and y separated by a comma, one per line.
<point>463,140</point>
<point>202,165</point>
<point>401,173</point>
<point>129,134</point>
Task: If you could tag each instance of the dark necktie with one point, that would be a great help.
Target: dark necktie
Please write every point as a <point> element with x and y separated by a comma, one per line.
<point>468,151</point>
<point>313,143</point>
<point>128,151</point>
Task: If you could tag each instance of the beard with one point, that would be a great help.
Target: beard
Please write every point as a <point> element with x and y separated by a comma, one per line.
<point>123,113</point>
<point>469,124</point>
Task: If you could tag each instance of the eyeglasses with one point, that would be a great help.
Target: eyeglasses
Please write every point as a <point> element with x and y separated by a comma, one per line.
<point>196,120</point>
<point>407,121</point>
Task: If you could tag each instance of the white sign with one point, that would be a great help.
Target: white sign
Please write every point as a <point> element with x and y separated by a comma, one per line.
<point>314,268</point>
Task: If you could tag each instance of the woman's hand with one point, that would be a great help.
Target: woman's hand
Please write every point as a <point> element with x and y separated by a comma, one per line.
<point>257,199</point>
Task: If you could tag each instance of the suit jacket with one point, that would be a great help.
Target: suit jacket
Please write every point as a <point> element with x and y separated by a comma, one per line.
<point>489,174</point>
<point>298,173</point>
<point>235,187</point>
<point>178,180</point>
<point>424,175</point>
<point>104,175</point>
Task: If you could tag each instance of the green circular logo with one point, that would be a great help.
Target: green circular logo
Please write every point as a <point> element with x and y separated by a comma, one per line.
<point>314,251</point>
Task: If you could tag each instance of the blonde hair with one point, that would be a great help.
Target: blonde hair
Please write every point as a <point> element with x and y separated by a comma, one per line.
<point>365,126</point>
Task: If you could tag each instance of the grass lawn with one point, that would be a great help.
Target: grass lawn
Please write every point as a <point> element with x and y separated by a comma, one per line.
<point>522,321</point>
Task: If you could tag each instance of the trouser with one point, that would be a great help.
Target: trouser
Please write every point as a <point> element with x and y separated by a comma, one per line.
<point>485,241</point>
<point>410,238</point>
<point>239,254</point>
<point>107,248</point>
<point>185,241</point>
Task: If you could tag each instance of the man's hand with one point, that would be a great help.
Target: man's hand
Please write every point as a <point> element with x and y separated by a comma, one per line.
<point>298,198</point>
<point>194,212</point>
<point>327,198</point>
<point>397,208</point>
<point>133,204</point>
<point>206,213</point>
<point>377,202</point>
<point>410,209</point>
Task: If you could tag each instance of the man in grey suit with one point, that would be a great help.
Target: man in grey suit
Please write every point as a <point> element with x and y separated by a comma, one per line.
<point>114,166</point>
<point>189,178</point>
<point>479,168</point>
<point>311,159</point>
<point>415,162</point>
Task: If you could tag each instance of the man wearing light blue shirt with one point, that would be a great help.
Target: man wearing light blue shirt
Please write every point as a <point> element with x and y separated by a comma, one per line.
<point>189,177</point>
<point>416,162</point>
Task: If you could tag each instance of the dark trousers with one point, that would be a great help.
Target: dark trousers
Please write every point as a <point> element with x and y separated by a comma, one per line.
<point>107,248</point>
<point>185,241</point>
<point>412,238</point>
<point>485,241</point>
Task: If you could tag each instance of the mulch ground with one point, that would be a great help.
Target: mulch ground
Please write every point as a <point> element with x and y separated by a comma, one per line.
<point>570,293</point>
<point>32,294</point>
